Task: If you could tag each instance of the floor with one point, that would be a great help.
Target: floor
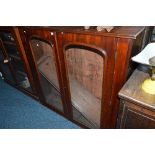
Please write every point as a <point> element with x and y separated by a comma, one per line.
<point>19,111</point>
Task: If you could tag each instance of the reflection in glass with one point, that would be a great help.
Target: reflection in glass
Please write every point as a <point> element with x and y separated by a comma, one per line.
<point>15,60</point>
<point>45,61</point>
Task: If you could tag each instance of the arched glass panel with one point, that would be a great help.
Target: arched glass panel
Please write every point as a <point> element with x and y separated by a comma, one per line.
<point>85,70</point>
<point>44,57</point>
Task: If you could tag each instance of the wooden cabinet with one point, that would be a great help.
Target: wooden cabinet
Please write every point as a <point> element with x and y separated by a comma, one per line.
<point>13,61</point>
<point>87,63</point>
<point>137,108</point>
<point>94,67</point>
<point>41,51</point>
<point>78,72</point>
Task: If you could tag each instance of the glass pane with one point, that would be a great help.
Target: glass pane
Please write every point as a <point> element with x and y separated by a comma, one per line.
<point>85,70</point>
<point>43,54</point>
<point>5,68</point>
<point>21,76</point>
<point>6,36</point>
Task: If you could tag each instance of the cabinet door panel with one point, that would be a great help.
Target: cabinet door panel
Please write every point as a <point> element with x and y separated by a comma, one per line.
<point>5,66</point>
<point>89,62</point>
<point>136,120</point>
<point>43,53</point>
<point>134,116</point>
<point>15,62</point>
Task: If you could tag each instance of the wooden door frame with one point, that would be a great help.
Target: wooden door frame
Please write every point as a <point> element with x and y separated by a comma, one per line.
<point>49,37</point>
<point>105,103</point>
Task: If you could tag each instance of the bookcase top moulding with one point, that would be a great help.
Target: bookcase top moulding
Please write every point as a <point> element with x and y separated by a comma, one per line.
<point>118,31</point>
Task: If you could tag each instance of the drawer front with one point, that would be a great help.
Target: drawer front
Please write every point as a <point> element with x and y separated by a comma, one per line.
<point>136,117</point>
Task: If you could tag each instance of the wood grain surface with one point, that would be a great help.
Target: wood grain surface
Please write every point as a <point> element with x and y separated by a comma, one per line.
<point>132,90</point>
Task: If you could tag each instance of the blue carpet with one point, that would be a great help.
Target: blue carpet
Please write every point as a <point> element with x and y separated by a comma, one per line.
<point>18,111</point>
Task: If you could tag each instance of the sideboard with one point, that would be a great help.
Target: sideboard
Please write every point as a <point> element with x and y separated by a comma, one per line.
<point>78,73</point>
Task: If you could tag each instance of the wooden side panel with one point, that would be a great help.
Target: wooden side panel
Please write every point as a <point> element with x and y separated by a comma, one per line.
<point>123,54</point>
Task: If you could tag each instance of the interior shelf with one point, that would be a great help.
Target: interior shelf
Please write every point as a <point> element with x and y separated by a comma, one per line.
<point>85,102</point>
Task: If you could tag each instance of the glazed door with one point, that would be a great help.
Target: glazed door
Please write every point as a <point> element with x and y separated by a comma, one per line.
<point>89,68</point>
<point>15,61</point>
<point>42,58</point>
<point>5,65</point>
